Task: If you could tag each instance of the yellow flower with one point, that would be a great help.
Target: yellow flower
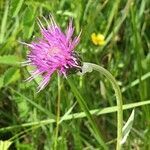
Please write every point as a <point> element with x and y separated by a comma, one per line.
<point>98,39</point>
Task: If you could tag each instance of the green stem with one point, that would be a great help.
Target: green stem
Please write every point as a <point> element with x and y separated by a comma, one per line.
<point>84,106</point>
<point>118,99</point>
<point>58,115</point>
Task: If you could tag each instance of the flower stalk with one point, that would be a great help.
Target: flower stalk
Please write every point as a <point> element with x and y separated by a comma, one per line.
<point>89,67</point>
<point>58,114</point>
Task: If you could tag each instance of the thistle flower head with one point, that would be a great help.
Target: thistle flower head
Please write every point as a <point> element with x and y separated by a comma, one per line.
<point>54,51</point>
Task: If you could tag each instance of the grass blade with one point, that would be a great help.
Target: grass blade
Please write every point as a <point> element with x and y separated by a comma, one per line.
<point>84,107</point>
<point>3,24</point>
<point>80,115</point>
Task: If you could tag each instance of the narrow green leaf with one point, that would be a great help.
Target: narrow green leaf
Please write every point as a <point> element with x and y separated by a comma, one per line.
<point>16,6</point>
<point>127,127</point>
<point>4,22</point>
<point>11,75</point>
<point>9,60</point>
<point>28,22</point>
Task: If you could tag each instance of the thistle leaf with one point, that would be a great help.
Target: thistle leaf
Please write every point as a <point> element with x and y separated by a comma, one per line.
<point>127,127</point>
<point>9,60</point>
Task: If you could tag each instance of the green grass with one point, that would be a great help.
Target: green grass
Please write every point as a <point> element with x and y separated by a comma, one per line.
<point>78,113</point>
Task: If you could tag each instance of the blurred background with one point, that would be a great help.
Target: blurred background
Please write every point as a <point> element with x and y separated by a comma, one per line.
<point>27,117</point>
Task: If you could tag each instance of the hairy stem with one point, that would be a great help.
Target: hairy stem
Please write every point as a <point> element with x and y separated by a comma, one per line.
<point>118,94</point>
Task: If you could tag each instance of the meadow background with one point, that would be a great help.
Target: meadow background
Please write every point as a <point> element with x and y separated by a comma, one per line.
<point>27,118</point>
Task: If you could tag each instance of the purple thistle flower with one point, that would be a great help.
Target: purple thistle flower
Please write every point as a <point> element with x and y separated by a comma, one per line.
<point>54,51</point>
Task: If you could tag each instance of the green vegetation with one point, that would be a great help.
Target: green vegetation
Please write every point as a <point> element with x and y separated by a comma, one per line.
<point>79,112</point>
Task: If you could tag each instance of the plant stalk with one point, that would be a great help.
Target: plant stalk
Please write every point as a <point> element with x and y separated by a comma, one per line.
<point>119,101</point>
<point>58,114</point>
